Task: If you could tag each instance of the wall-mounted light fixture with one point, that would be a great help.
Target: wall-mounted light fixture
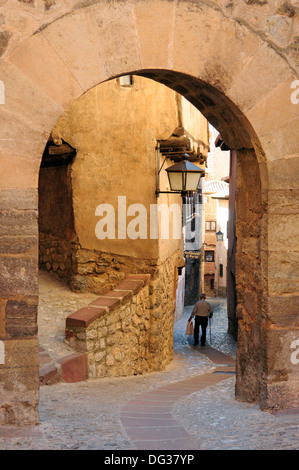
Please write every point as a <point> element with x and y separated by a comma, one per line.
<point>183,176</point>
<point>219,236</point>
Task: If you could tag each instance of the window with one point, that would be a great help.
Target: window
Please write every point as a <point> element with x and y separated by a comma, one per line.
<point>209,256</point>
<point>211,225</point>
<point>126,80</point>
<point>221,270</point>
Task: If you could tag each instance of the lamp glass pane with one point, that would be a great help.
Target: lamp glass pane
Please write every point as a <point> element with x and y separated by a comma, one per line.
<point>175,180</point>
<point>192,181</point>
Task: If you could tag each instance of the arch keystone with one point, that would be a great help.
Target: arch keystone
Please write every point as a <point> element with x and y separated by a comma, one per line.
<point>155,24</point>
<point>112,27</point>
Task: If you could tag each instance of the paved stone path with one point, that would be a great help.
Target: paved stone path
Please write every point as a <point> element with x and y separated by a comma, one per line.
<point>189,406</point>
<point>148,419</point>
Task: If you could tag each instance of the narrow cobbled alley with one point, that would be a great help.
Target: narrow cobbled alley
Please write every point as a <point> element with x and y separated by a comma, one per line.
<point>189,406</point>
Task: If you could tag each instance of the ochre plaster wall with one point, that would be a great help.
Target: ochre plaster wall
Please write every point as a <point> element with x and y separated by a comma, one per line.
<point>114,130</point>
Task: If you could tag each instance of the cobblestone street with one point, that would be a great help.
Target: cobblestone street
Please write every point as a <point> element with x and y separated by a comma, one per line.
<point>188,405</point>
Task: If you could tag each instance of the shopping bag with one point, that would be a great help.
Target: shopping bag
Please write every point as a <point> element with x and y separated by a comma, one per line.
<point>190,328</point>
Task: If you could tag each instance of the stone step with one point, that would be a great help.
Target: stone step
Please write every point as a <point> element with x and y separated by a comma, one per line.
<point>71,368</point>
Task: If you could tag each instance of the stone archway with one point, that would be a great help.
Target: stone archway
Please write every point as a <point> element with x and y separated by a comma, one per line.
<point>241,81</point>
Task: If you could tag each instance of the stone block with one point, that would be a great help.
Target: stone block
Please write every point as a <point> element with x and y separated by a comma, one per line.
<point>250,302</point>
<point>218,48</point>
<point>98,285</point>
<point>282,200</point>
<point>19,382</point>
<point>18,171</point>
<point>140,277</point>
<point>190,43</point>
<point>285,180</point>
<point>18,231</point>
<point>279,98</point>
<point>24,98</point>
<point>282,395</point>
<point>251,247</point>
<point>283,232</point>
<point>21,317</point>
<point>154,24</point>
<point>282,310</point>
<point>72,40</point>
<point>281,142</point>
<point>18,244</point>
<point>256,80</point>
<point>40,63</point>
<point>122,295</point>
<point>86,268</point>
<point>114,33</point>
<point>21,353</point>
<point>18,222</point>
<point>19,276</point>
<point>279,28</point>
<point>107,303</point>
<point>19,137</point>
<point>283,273</point>
<point>18,199</point>
<point>131,285</point>
<point>84,316</point>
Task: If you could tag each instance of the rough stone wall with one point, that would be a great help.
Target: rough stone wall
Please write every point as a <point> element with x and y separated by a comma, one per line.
<point>221,292</point>
<point>132,332</point>
<point>162,304</point>
<point>117,342</point>
<point>56,256</point>
<point>88,270</point>
<point>282,277</point>
<point>249,282</point>
<point>231,287</point>
<point>207,285</point>
<point>18,307</point>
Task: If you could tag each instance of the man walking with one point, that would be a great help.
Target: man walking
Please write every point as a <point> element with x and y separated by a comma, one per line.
<point>202,312</point>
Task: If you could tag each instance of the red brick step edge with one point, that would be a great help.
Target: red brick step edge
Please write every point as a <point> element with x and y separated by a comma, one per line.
<point>71,368</point>
<point>74,368</point>
<point>131,285</point>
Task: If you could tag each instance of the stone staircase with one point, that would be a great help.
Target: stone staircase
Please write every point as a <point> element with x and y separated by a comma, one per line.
<point>73,366</point>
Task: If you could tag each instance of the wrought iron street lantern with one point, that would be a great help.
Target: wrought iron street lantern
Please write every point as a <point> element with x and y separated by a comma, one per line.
<point>219,236</point>
<point>183,176</point>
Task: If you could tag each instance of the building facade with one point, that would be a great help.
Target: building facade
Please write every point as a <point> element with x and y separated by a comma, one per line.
<point>101,215</point>
<point>215,198</point>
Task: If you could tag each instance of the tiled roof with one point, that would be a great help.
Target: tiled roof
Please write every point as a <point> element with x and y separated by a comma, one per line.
<point>213,187</point>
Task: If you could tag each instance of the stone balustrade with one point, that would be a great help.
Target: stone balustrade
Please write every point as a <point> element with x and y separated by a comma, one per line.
<point>114,330</point>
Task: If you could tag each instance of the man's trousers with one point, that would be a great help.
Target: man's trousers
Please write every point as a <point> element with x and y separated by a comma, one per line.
<point>203,323</point>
